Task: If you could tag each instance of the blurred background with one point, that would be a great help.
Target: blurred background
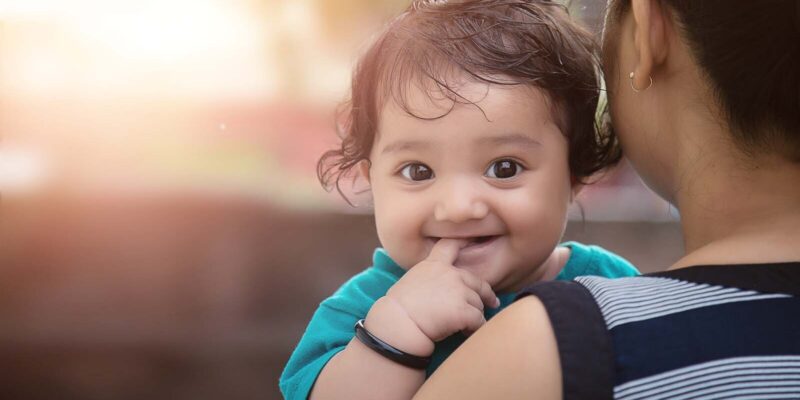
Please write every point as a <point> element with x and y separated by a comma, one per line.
<point>162,231</point>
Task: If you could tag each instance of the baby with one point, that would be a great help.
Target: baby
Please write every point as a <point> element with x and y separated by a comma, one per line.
<point>474,124</point>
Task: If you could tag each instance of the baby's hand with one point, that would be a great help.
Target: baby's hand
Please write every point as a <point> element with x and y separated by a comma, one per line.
<point>439,298</point>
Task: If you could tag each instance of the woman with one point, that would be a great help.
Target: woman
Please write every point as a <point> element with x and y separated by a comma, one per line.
<point>704,97</point>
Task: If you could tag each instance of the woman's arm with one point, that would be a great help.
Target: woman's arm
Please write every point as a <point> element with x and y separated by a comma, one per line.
<point>513,356</point>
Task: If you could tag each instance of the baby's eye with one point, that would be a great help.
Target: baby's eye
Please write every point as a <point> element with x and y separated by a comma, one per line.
<point>503,169</point>
<point>416,172</point>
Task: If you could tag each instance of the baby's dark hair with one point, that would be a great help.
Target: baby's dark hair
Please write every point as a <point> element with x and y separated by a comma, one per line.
<point>504,42</point>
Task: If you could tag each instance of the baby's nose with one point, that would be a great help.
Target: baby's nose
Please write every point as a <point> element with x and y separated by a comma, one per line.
<point>459,202</point>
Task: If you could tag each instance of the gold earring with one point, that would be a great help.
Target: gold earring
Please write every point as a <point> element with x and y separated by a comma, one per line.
<point>638,90</point>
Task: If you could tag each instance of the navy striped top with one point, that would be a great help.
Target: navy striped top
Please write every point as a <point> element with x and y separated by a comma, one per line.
<point>704,332</point>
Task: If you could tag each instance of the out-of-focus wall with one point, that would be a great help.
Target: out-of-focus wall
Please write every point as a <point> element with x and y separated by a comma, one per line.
<point>162,232</point>
<point>190,298</point>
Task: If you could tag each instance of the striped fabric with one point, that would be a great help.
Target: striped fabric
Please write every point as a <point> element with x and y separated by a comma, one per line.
<point>679,336</point>
<point>743,377</point>
<point>626,300</point>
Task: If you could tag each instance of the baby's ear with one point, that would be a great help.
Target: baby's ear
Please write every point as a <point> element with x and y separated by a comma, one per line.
<point>363,169</point>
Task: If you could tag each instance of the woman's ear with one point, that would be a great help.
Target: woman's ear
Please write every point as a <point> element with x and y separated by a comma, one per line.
<point>650,39</point>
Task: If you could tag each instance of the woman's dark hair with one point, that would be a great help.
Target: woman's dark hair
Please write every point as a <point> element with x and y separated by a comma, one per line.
<point>750,51</point>
<point>504,42</point>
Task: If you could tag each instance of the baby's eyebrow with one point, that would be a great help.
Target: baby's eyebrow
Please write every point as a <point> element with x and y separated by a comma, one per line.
<point>517,139</point>
<point>404,145</point>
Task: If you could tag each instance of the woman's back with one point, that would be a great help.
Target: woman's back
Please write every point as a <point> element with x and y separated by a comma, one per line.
<point>697,332</point>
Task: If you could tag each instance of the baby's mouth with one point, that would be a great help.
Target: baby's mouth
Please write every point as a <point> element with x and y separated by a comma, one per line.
<point>472,241</point>
<point>478,240</point>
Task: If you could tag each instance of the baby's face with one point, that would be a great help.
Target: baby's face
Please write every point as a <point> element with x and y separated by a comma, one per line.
<point>498,178</point>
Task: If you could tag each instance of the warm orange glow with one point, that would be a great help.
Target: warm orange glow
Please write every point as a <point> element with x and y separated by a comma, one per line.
<point>150,48</point>
<point>168,96</point>
<point>178,96</point>
<point>21,170</point>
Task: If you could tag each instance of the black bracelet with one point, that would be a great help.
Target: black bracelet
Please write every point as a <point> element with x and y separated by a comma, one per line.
<point>387,350</point>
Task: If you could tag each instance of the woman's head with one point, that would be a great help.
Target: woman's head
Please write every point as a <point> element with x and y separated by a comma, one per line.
<point>746,58</point>
<point>434,45</point>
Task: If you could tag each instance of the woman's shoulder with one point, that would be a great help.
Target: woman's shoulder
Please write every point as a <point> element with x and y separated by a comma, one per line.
<point>497,360</point>
<point>555,329</point>
<point>563,339</point>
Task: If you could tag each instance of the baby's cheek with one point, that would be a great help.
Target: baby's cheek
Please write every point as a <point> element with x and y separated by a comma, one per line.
<point>526,212</point>
<point>399,239</point>
<point>404,256</point>
<point>537,225</point>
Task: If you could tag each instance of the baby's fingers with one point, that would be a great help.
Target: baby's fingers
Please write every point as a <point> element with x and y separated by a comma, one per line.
<point>474,299</point>
<point>472,319</point>
<point>446,250</point>
<point>480,287</point>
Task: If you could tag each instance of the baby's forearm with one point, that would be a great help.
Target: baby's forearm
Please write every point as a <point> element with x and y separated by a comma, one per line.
<point>358,372</point>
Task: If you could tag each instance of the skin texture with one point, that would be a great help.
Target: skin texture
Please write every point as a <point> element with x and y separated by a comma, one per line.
<point>497,170</point>
<point>735,208</point>
<point>498,361</point>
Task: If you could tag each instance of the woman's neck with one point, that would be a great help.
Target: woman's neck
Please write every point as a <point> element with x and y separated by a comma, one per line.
<point>736,210</point>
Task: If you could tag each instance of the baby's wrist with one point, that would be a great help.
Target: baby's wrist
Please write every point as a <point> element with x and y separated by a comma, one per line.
<point>390,322</point>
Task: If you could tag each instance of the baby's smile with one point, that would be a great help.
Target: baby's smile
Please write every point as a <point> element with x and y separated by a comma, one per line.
<point>477,251</point>
<point>471,240</point>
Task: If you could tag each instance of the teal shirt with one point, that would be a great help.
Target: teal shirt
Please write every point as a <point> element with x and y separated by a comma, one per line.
<point>331,327</point>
